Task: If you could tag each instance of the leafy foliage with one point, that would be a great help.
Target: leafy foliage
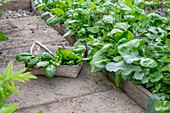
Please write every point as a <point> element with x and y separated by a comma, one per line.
<point>8,87</point>
<point>8,108</point>
<point>162,107</point>
<point>125,38</point>
<point>62,57</point>
<point>158,104</point>
<point>2,37</point>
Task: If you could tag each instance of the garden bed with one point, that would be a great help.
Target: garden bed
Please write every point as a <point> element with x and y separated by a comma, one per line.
<point>99,99</point>
<point>138,93</point>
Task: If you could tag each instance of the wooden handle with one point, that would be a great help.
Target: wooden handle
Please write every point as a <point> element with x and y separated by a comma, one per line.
<point>43,46</point>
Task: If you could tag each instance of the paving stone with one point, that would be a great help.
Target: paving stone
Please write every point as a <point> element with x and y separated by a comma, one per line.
<point>32,22</point>
<point>25,31</point>
<point>20,42</point>
<point>45,90</point>
<point>110,101</point>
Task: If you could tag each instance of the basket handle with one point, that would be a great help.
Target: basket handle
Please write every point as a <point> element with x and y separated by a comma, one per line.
<point>31,50</point>
<point>41,45</point>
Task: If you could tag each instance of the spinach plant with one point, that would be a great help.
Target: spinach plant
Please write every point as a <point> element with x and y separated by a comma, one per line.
<point>62,57</point>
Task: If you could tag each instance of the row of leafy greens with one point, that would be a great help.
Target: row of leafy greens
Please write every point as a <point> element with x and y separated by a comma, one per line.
<point>125,39</point>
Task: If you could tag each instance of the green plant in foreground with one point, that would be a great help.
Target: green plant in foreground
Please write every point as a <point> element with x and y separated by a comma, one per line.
<point>8,87</point>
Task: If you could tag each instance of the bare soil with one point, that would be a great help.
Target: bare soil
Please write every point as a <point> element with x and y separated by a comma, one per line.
<point>22,33</point>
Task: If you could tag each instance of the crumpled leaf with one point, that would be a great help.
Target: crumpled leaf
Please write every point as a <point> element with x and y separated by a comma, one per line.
<point>153,30</point>
<point>154,100</point>
<point>100,60</point>
<point>79,49</point>
<point>67,54</point>
<point>129,48</point>
<point>99,23</point>
<point>93,29</point>
<point>146,71</point>
<point>108,19</point>
<point>154,16</point>
<point>114,67</point>
<point>129,3</point>
<point>148,62</point>
<point>42,64</point>
<point>128,18</point>
<point>41,7</point>
<point>145,80</point>
<point>156,76</point>
<point>98,63</point>
<point>166,79</point>
<point>163,107</point>
<point>137,68</point>
<point>130,58</point>
<point>58,11</point>
<point>114,31</point>
<point>138,75</point>
<point>109,4</point>
<point>90,4</point>
<point>82,31</point>
<point>123,26</point>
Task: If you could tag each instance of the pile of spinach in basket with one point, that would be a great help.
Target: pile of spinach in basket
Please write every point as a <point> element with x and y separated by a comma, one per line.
<point>62,57</point>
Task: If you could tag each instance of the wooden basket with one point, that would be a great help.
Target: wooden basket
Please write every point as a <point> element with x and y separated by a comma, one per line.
<point>62,70</point>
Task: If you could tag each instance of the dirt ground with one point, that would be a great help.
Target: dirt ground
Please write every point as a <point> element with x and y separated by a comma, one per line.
<point>89,93</point>
<point>22,33</point>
